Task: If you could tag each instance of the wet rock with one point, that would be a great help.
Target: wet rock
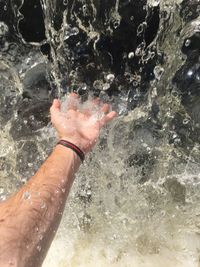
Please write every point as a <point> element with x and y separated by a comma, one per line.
<point>6,109</point>
<point>9,94</point>
<point>190,9</point>
<point>85,222</point>
<point>33,73</point>
<point>32,19</point>
<point>32,116</point>
<point>144,162</point>
<point>5,165</point>
<point>85,195</point>
<point>7,16</point>
<point>3,29</point>
<point>187,82</point>
<point>155,109</point>
<point>184,132</point>
<point>187,79</point>
<point>103,45</point>
<point>27,158</point>
<point>176,190</point>
<point>35,82</point>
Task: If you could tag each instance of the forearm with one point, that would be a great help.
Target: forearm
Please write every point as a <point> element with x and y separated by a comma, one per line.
<point>29,219</point>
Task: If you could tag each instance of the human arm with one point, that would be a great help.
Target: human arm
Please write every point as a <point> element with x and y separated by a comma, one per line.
<point>29,219</point>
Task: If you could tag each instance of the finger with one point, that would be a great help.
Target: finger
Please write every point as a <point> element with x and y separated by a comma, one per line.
<point>73,101</point>
<point>96,101</point>
<point>55,106</point>
<point>109,117</point>
<point>74,95</point>
<point>90,106</point>
<point>105,108</point>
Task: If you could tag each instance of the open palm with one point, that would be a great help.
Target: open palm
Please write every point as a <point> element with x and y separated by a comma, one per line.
<point>80,126</point>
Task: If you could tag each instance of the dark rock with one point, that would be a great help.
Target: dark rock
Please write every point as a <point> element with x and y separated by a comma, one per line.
<point>190,10</point>
<point>176,189</point>
<point>32,26</point>
<point>32,116</point>
<point>27,159</point>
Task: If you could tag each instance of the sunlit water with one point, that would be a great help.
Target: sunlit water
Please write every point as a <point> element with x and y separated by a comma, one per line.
<point>135,201</point>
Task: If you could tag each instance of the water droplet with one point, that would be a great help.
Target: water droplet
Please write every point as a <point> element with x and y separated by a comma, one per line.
<point>89,192</point>
<point>3,29</point>
<point>158,72</point>
<point>116,24</point>
<point>187,42</point>
<point>128,76</point>
<point>131,55</point>
<point>32,117</point>
<point>1,190</point>
<point>186,121</point>
<point>106,86</point>
<point>68,32</point>
<point>3,197</point>
<point>135,83</point>
<point>98,84</point>
<point>74,31</point>
<point>30,164</point>
<point>39,248</point>
<point>154,2</point>
<point>140,49</point>
<point>190,73</point>
<point>43,206</point>
<point>26,195</point>
<point>141,28</point>
<point>82,90</point>
<point>154,92</point>
<point>110,78</point>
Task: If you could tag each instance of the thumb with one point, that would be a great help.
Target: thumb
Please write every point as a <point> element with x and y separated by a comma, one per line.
<point>55,106</point>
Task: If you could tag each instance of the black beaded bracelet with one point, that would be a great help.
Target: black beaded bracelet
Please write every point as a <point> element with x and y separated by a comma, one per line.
<point>76,149</point>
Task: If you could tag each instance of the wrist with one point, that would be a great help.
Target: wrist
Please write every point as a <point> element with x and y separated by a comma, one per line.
<point>72,139</point>
<point>83,144</point>
<point>68,153</point>
<point>73,147</point>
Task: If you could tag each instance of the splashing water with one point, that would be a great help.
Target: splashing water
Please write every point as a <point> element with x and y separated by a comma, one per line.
<point>89,105</point>
<point>135,202</point>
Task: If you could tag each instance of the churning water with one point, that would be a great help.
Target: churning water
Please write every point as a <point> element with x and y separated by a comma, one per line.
<point>135,201</point>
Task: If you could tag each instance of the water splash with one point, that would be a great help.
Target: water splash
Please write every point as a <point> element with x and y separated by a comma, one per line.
<point>138,203</point>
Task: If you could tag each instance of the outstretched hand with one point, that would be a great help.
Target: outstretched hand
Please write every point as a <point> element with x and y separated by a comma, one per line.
<point>81,126</point>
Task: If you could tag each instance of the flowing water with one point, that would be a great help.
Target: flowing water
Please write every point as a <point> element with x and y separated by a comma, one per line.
<point>135,201</point>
